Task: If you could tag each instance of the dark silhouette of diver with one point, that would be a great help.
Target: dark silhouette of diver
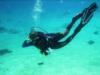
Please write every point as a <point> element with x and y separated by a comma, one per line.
<point>52,40</point>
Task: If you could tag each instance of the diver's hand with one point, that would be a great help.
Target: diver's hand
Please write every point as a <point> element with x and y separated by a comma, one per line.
<point>44,53</point>
<point>27,43</point>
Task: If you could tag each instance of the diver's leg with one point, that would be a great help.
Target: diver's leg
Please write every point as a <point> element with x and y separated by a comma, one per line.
<point>58,36</point>
<point>68,28</point>
<point>58,44</point>
<point>62,44</point>
<point>76,31</point>
<point>86,17</point>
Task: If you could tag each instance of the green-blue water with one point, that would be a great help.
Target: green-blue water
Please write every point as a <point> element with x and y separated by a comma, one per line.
<point>80,57</point>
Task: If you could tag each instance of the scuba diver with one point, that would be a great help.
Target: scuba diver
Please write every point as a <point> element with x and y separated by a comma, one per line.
<point>44,41</point>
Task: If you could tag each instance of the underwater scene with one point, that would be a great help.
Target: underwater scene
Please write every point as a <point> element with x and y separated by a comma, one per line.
<point>49,37</point>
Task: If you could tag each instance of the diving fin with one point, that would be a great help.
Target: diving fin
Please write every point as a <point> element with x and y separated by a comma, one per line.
<point>88,13</point>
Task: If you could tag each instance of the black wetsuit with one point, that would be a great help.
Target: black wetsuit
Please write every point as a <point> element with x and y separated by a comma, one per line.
<point>52,40</point>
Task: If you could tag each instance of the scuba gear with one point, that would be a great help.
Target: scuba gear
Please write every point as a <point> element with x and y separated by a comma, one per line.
<point>44,41</point>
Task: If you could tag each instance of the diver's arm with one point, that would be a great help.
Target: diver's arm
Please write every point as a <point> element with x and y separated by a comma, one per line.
<point>28,43</point>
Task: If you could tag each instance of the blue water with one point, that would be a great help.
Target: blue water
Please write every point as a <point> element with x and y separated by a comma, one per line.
<point>80,57</point>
